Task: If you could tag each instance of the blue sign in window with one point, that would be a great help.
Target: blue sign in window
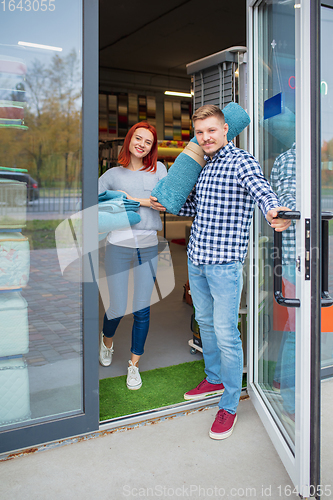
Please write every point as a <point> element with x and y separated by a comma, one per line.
<point>274,106</point>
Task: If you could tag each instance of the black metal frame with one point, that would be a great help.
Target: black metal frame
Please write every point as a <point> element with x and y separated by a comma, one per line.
<point>277,266</point>
<point>38,433</point>
<point>326,299</point>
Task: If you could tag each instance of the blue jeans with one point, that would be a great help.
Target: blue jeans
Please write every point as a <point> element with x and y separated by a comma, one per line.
<point>118,261</point>
<point>216,291</point>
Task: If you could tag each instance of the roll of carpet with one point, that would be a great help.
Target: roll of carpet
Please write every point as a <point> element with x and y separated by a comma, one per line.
<point>14,260</point>
<point>14,338</point>
<point>172,191</point>
<point>237,119</point>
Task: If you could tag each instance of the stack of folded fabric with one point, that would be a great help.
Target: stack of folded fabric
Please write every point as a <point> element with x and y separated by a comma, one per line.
<point>14,334</point>
<point>172,191</point>
<point>115,211</point>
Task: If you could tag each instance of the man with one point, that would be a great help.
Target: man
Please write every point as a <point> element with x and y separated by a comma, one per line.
<point>222,203</point>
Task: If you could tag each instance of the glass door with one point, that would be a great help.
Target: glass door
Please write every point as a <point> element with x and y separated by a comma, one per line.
<point>326,86</point>
<point>284,357</point>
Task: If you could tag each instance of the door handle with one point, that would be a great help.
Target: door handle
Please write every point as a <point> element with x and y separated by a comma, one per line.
<point>326,299</point>
<point>277,262</point>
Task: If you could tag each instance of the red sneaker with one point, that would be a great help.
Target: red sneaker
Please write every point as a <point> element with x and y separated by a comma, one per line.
<point>223,425</point>
<point>204,389</point>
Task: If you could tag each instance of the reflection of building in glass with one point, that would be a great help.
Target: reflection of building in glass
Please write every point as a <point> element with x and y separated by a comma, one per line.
<point>283,181</point>
<point>12,92</point>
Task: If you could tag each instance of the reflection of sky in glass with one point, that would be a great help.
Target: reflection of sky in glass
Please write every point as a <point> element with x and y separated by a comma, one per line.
<point>58,28</point>
<point>326,74</point>
<point>280,47</point>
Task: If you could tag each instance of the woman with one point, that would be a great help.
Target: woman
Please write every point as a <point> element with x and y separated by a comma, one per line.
<point>136,176</point>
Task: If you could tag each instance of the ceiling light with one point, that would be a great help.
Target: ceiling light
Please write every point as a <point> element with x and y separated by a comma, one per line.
<point>178,94</point>
<point>39,46</point>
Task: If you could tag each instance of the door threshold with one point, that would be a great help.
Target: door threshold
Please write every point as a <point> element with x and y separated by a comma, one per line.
<point>123,423</point>
<point>159,414</point>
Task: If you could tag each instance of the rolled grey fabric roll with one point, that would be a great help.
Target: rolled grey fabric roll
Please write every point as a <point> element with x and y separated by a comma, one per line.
<point>172,191</point>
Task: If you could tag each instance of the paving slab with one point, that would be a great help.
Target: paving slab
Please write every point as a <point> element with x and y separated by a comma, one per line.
<point>173,458</point>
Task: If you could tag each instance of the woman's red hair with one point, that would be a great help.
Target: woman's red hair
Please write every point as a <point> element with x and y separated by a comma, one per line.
<point>149,161</point>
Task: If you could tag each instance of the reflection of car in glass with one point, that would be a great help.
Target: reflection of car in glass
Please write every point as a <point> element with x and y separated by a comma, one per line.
<point>32,185</point>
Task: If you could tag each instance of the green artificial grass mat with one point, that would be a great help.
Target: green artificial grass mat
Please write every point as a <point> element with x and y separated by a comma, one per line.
<point>160,387</point>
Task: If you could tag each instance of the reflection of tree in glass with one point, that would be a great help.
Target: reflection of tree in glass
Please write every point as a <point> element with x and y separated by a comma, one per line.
<point>53,117</point>
<point>64,79</point>
<point>36,82</point>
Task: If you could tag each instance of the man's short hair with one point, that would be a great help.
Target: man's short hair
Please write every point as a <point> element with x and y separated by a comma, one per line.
<point>206,111</point>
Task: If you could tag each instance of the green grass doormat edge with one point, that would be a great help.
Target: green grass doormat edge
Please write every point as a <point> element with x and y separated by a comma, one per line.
<point>160,387</point>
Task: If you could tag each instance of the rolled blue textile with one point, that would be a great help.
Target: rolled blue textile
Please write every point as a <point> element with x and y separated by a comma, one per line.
<point>172,191</point>
<point>237,119</point>
<point>110,221</point>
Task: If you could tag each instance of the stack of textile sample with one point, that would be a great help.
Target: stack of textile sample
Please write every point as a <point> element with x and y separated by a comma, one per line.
<point>115,211</point>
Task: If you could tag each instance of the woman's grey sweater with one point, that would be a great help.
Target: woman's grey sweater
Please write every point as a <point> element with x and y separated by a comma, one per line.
<point>138,184</point>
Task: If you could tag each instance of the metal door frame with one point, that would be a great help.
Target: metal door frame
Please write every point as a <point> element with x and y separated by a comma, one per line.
<point>88,420</point>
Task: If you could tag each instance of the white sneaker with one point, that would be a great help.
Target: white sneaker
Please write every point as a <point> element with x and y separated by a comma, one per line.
<point>105,353</point>
<point>133,381</point>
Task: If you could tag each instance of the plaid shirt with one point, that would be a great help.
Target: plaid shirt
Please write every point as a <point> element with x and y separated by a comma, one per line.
<point>283,180</point>
<point>222,202</point>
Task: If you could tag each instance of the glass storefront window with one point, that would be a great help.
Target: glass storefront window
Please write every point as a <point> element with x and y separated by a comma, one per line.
<point>40,186</point>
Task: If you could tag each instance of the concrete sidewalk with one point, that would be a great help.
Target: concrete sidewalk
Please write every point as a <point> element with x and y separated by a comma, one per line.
<point>171,459</point>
